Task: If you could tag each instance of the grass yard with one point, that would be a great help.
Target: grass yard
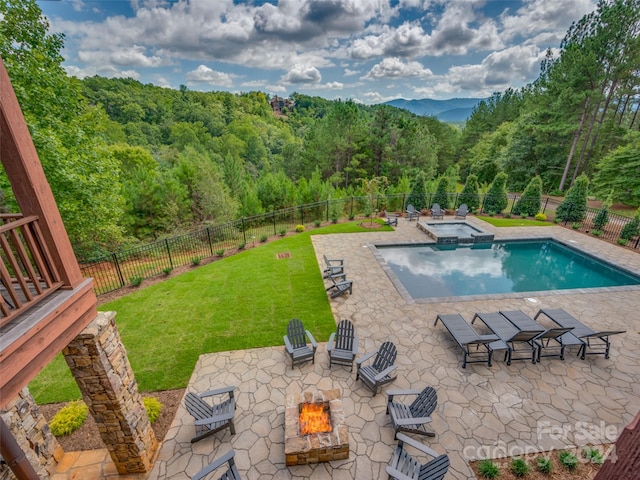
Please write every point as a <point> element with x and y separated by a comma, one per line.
<point>242,301</point>
<point>514,222</point>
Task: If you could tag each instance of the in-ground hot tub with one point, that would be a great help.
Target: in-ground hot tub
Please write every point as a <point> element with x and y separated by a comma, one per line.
<point>447,233</point>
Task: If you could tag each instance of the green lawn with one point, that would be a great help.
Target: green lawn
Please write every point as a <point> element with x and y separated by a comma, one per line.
<point>514,222</point>
<point>242,301</point>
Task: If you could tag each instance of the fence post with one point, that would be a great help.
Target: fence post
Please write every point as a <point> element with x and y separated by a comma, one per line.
<point>166,242</point>
<point>244,231</point>
<point>515,199</point>
<point>209,239</point>
<point>120,276</point>
<point>351,213</point>
<point>455,203</point>
<point>544,209</point>
<point>327,210</point>
<point>274,223</point>
<point>301,215</point>
<point>484,199</point>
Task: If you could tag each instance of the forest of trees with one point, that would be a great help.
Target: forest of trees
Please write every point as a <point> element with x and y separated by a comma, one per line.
<point>141,161</point>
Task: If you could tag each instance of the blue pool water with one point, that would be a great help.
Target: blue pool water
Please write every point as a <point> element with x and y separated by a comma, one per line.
<point>429,271</point>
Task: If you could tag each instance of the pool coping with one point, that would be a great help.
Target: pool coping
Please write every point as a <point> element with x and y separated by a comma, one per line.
<point>406,296</point>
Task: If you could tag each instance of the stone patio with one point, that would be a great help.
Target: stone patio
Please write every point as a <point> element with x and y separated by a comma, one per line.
<point>481,411</point>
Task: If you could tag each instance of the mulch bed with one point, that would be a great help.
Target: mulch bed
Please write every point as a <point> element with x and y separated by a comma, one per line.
<point>87,437</point>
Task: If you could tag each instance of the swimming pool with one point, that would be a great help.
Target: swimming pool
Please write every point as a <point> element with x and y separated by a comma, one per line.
<point>507,267</point>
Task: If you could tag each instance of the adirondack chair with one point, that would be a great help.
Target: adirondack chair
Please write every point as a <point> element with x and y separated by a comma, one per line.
<point>404,466</point>
<point>461,212</point>
<point>437,212</point>
<point>390,219</point>
<point>343,345</point>
<point>412,418</point>
<point>412,213</point>
<point>295,342</point>
<point>339,287</point>
<point>379,372</point>
<point>211,418</point>
<point>333,266</point>
<point>230,474</point>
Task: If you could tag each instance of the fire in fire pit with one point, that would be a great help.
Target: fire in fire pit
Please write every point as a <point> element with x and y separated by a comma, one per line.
<point>314,418</point>
<point>322,444</point>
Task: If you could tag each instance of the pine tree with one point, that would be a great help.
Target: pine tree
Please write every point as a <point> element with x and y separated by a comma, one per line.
<point>442,196</point>
<point>574,206</point>
<point>469,194</point>
<point>496,200</point>
<point>418,195</point>
<point>529,203</point>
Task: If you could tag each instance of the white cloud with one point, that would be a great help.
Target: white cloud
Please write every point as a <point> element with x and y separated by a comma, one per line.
<point>334,85</point>
<point>302,74</point>
<point>105,71</point>
<point>395,68</point>
<point>204,74</point>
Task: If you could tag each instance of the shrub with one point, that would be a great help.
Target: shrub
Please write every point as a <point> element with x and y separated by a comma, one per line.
<point>441,196</point>
<point>556,220</point>
<point>299,228</point>
<point>136,280</point>
<point>622,241</point>
<point>220,253</point>
<point>418,194</point>
<point>334,219</point>
<point>488,469</point>
<point>283,232</point>
<point>241,246</point>
<point>529,203</point>
<point>519,467</point>
<point>153,406</point>
<point>263,238</point>
<point>593,455</point>
<point>196,260</point>
<point>167,270</point>
<point>541,217</point>
<point>601,218</point>
<point>317,223</point>
<point>351,217</point>
<point>469,194</point>
<point>69,418</point>
<point>496,199</point>
<point>568,460</point>
<point>575,226</point>
<point>544,464</point>
<point>632,228</point>
<point>596,233</point>
<point>507,215</point>
<point>574,206</point>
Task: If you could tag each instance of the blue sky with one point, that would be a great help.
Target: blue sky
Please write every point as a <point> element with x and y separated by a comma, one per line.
<point>367,50</point>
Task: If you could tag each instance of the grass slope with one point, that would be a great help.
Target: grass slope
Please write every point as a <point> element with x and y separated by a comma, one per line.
<point>243,301</point>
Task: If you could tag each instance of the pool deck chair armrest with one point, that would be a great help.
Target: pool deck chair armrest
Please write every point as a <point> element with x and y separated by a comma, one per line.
<point>556,349</point>
<point>466,336</point>
<point>581,332</point>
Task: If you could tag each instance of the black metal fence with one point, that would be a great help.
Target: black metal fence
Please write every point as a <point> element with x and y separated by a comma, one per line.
<point>129,267</point>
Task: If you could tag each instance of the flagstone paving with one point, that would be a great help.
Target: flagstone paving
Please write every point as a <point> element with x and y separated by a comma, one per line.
<point>482,411</point>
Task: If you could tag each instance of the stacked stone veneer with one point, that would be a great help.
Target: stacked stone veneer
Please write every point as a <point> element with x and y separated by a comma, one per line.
<point>316,447</point>
<point>30,429</point>
<point>99,363</point>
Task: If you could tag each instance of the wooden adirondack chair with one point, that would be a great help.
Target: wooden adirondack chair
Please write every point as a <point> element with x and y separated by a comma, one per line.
<point>379,372</point>
<point>343,345</point>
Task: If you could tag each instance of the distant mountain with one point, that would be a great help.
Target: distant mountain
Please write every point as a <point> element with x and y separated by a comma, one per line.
<point>452,110</point>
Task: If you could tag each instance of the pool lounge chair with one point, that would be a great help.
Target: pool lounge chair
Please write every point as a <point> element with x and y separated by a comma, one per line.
<point>466,336</point>
<point>437,212</point>
<point>548,341</point>
<point>580,331</point>
<point>512,336</point>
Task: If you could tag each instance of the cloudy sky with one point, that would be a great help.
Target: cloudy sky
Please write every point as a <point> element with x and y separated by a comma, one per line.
<point>367,50</point>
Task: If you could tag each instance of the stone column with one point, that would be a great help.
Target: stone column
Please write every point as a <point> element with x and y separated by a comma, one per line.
<point>30,429</point>
<point>99,363</point>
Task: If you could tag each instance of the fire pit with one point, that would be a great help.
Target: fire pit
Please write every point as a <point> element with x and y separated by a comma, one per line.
<point>314,428</point>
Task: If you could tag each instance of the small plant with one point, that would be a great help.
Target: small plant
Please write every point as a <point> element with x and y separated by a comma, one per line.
<point>263,238</point>
<point>196,260</point>
<point>488,469</point>
<point>241,246</point>
<point>596,233</point>
<point>622,241</point>
<point>544,464</point>
<point>69,418</point>
<point>575,225</point>
<point>519,467</point>
<point>334,219</point>
<point>568,460</point>
<point>317,223</point>
<point>136,280</point>
<point>153,406</point>
<point>541,217</point>
<point>352,216</point>
<point>299,228</point>
<point>593,455</point>
<point>220,253</point>
<point>556,220</point>
<point>492,214</point>
<point>167,270</point>
<point>283,232</point>
<point>507,215</point>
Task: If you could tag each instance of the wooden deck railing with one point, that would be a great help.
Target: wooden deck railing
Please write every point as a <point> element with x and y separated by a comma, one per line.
<point>27,274</point>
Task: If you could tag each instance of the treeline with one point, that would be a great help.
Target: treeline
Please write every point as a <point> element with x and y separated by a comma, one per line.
<point>130,162</point>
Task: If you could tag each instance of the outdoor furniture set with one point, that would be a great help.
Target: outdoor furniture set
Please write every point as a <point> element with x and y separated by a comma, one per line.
<point>523,338</point>
<point>342,349</point>
<point>335,274</point>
